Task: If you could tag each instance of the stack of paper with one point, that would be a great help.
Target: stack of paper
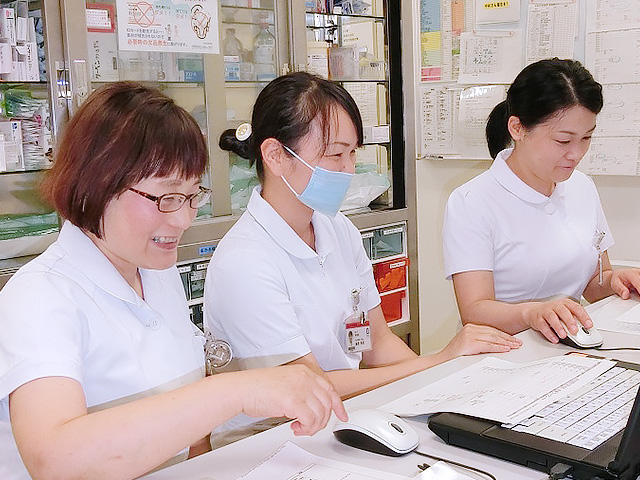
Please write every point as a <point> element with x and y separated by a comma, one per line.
<point>502,391</point>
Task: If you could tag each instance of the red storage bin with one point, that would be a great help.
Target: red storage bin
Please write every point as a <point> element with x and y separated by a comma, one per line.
<point>392,305</point>
<point>391,274</point>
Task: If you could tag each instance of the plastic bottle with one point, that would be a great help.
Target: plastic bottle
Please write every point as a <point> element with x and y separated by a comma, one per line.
<point>232,51</point>
<point>264,54</point>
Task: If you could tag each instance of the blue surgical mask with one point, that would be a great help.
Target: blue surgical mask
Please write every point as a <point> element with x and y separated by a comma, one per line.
<point>326,189</point>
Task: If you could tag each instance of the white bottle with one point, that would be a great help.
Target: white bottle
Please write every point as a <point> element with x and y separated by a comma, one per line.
<point>232,51</point>
<point>264,54</point>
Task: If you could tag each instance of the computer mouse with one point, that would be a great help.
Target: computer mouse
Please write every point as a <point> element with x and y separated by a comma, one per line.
<point>585,338</point>
<point>377,431</point>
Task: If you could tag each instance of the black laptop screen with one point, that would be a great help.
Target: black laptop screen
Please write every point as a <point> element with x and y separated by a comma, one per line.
<point>627,463</point>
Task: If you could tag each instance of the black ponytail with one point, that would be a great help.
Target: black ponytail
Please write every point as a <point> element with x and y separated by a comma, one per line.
<point>496,131</point>
<point>540,91</point>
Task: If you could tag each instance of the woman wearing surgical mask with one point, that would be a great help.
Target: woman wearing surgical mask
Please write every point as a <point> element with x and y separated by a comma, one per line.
<point>289,280</point>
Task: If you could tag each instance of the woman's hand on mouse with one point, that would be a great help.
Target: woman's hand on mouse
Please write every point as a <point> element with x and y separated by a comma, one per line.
<point>292,391</point>
<point>548,318</point>
<point>624,281</point>
<point>474,339</point>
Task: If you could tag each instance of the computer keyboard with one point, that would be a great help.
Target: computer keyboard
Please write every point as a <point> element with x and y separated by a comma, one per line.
<point>589,416</point>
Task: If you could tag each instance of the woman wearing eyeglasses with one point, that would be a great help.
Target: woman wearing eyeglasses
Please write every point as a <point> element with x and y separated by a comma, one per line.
<point>101,371</point>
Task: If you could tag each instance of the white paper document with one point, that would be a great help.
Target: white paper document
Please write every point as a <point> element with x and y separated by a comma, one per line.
<point>502,391</point>
<point>488,12</point>
<point>612,15</point>
<point>439,107</point>
<point>620,114</point>
<point>551,30</point>
<point>616,315</point>
<point>476,103</point>
<point>291,462</point>
<point>612,156</point>
<point>490,56</point>
<point>613,56</point>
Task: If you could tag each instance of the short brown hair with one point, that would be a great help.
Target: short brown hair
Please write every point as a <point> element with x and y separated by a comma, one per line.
<point>123,133</point>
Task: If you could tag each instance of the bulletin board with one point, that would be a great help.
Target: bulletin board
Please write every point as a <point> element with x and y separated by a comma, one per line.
<point>471,50</point>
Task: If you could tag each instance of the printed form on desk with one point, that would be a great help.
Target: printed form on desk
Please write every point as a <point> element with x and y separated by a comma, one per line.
<point>616,315</point>
<point>290,462</point>
<point>502,391</point>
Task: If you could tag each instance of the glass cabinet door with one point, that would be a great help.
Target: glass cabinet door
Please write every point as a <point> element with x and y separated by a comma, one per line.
<point>218,89</point>
<point>348,42</point>
<point>254,47</point>
<point>31,107</point>
<point>147,53</point>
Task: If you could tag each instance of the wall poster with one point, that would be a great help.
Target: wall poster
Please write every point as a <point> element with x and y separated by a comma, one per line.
<point>189,26</point>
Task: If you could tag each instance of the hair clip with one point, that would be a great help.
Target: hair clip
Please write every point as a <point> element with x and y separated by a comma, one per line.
<point>243,132</point>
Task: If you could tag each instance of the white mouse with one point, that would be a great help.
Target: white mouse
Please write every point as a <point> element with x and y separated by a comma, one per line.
<point>585,338</point>
<point>377,431</point>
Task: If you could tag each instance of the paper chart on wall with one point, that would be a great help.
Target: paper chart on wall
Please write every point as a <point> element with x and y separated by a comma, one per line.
<point>439,106</point>
<point>441,24</point>
<point>608,15</point>
<point>476,103</point>
<point>551,30</point>
<point>502,391</point>
<point>620,114</point>
<point>291,462</point>
<point>613,56</point>
<point>490,56</point>
<point>612,156</point>
<point>430,41</point>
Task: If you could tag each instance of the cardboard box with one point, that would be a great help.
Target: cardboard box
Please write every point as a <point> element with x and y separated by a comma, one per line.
<point>32,66</point>
<point>6,58</point>
<point>103,56</point>
<point>3,162</point>
<point>21,14</point>
<point>8,25</point>
<point>14,156</point>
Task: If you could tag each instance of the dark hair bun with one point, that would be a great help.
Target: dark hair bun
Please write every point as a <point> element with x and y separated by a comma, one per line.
<point>229,142</point>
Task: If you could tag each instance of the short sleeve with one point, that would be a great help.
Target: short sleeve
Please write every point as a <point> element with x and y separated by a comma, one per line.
<point>369,296</point>
<point>42,330</point>
<point>608,240</point>
<point>247,304</point>
<point>467,234</point>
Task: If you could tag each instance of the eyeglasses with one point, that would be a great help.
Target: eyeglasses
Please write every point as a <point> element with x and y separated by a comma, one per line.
<point>172,202</point>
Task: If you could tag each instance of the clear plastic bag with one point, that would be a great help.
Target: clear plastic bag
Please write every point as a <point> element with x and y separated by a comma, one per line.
<point>365,187</point>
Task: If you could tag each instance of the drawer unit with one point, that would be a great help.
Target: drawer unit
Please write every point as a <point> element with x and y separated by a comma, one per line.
<point>386,247</point>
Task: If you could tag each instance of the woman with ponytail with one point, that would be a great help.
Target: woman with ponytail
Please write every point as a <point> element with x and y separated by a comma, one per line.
<point>286,281</point>
<point>526,239</point>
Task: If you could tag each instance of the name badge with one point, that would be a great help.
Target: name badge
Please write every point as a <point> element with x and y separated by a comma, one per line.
<point>356,335</point>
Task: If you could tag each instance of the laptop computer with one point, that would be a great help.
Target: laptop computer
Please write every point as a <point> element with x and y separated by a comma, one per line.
<point>550,438</point>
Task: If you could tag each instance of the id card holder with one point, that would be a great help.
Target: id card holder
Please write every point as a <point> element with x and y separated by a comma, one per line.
<point>356,335</point>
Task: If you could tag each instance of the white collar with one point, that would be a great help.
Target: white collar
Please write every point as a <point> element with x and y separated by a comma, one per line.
<point>266,216</point>
<point>514,184</point>
<point>89,260</point>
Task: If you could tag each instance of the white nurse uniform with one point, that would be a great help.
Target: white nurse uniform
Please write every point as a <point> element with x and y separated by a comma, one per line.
<point>536,246</point>
<point>69,313</point>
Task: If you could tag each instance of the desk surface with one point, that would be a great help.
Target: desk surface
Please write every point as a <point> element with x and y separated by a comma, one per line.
<point>232,461</point>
